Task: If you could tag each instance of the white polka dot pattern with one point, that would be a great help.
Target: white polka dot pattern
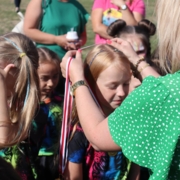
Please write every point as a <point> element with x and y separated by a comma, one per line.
<point>147,126</point>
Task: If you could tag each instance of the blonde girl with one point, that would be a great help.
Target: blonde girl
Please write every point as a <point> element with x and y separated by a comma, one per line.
<point>107,72</point>
<point>18,87</point>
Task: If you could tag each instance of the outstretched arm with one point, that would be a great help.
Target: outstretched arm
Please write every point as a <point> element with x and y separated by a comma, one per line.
<point>31,27</point>
<point>93,122</point>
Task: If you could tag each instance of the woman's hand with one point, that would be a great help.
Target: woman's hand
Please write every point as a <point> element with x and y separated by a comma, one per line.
<point>126,48</point>
<point>67,44</point>
<point>76,70</point>
<point>133,57</point>
<point>64,43</point>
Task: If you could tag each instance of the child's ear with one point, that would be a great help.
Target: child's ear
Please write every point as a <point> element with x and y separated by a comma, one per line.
<point>8,67</point>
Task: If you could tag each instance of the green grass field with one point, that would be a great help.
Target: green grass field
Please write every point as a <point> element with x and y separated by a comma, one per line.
<point>8,17</point>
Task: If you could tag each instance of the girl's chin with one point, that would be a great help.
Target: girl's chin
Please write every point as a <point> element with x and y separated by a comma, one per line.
<point>116,104</point>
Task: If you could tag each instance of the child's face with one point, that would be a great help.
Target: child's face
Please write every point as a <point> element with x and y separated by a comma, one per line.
<point>112,87</point>
<point>48,73</point>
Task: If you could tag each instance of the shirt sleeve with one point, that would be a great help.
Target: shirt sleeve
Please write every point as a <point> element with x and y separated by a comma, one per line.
<point>83,12</point>
<point>146,125</point>
<point>77,147</point>
<point>83,15</point>
<point>138,6</point>
<point>98,4</point>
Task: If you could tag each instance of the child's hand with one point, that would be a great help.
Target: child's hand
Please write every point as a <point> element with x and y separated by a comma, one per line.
<point>76,70</point>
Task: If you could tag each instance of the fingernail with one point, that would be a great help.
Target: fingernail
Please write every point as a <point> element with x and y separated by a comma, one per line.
<point>108,41</point>
<point>79,50</point>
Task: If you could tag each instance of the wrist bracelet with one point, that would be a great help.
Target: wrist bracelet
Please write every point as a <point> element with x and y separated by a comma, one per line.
<point>138,62</point>
<point>76,85</point>
<point>144,67</point>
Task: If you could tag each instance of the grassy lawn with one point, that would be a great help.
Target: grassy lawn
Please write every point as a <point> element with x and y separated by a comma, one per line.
<point>9,18</point>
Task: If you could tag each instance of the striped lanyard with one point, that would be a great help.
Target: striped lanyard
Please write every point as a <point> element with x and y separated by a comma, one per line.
<point>65,128</point>
<point>67,109</point>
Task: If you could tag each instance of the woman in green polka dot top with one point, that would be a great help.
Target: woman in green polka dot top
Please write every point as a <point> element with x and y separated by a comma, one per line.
<point>147,124</point>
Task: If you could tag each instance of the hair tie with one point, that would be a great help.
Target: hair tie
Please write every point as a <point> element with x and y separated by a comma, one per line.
<point>22,55</point>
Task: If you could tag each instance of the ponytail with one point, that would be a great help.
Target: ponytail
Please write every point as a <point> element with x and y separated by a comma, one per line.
<point>20,51</point>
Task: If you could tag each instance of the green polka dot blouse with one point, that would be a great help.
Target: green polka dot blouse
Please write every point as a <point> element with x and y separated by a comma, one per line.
<point>147,126</point>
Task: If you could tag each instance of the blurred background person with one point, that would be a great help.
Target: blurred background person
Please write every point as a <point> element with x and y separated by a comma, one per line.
<point>17,4</point>
<point>104,12</point>
<point>47,23</point>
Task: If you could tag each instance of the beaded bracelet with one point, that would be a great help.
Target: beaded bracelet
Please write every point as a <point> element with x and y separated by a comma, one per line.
<point>138,62</point>
<point>144,67</point>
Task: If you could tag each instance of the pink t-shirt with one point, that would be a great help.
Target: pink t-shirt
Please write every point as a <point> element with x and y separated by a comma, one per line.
<point>112,13</point>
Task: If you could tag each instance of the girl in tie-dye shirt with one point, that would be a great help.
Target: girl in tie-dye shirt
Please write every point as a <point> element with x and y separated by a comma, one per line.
<point>37,156</point>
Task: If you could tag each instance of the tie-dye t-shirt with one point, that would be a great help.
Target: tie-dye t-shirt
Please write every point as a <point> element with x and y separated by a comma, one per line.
<point>50,142</point>
<point>111,12</point>
<point>43,140</point>
<point>23,155</point>
<point>96,164</point>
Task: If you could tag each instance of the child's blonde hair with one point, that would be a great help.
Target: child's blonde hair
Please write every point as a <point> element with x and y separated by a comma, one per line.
<point>19,50</point>
<point>97,60</point>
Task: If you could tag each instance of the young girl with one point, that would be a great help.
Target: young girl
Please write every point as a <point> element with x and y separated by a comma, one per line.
<point>51,102</point>
<point>138,36</point>
<point>44,135</point>
<point>18,87</point>
<point>107,72</point>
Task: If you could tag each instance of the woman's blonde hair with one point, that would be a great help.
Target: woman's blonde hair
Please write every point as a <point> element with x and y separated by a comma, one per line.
<point>19,50</point>
<point>168,30</point>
